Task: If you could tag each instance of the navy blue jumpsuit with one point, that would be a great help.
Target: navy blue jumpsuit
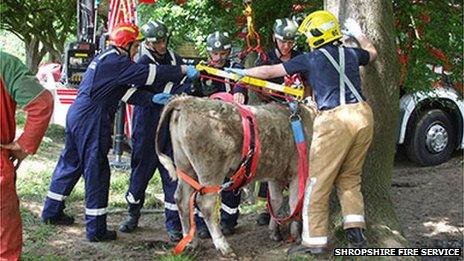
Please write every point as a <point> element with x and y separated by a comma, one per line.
<point>145,122</point>
<point>230,199</point>
<point>88,134</point>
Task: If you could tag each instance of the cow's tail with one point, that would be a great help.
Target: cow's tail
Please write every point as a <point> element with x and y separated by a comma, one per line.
<point>164,159</point>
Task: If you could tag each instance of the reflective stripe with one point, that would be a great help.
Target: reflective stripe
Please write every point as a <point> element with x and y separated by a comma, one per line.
<point>56,196</point>
<point>320,241</point>
<point>168,87</point>
<point>353,218</point>
<point>227,85</point>
<point>128,94</point>
<point>173,57</point>
<point>131,199</point>
<point>95,211</point>
<point>151,74</point>
<point>229,210</point>
<point>170,206</point>
<point>307,199</point>
<point>337,67</point>
<point>341,57</point>
<point>198,212</point>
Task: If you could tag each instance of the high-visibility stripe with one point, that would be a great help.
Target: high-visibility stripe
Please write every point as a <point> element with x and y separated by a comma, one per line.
<point>353,218</point>
<point>168,87</point>
<point>56,196</point>
<point>307,200</point>
<point>319,241</point>
<point>173,57</point>
<point>229,210</point>
<point>128,94</point>
<point>95,211</point>
<point>151,74</point>
<point>131,199</point>
<point>170,206</point>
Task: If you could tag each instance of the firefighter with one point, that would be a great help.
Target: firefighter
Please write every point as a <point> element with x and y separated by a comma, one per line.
<point>342,130</point>
<point>284,34</point>
<point>88,129</point>
<point>145,121</point>
<point>18,87</point>
<point>219,46</point>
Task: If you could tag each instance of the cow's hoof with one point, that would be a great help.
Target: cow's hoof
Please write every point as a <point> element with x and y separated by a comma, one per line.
<point>275,236</point>
<point>228,253</point>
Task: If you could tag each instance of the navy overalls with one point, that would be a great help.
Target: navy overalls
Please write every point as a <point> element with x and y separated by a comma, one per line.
<point>144,161</point>
<point>88,133</point>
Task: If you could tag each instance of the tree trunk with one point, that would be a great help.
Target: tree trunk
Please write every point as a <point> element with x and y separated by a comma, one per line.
<point>33,54</point>
<point>381,86</point>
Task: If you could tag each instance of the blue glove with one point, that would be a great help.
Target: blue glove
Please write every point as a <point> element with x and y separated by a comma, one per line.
<point>240,72</point>
<point>161,98</point>
<point>192,73</point>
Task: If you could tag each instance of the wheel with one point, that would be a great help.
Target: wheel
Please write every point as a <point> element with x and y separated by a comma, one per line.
<point>432,139</point>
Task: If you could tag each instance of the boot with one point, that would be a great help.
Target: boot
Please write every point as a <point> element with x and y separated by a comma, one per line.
<point>132,220</point>
<point>203,232</point>
<point>60,220</point>
<point>356,238</point>
<point>175,235</point>
<point>300,249</point>
<point>227,230</point>
<point>263,219</point>
<point>107,236</point>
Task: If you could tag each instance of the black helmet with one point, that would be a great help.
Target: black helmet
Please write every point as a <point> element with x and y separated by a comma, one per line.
<point>218,41</point>
<point>155,31</point>
<point>285,29</point>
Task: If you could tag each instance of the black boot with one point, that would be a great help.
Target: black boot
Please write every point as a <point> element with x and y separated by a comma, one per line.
<point>263,219</point>
<point>356,238</point>
<point>132,220</point>
<point>203,232</point>
<point>175,235</point>
<point>60,220</point>
<point>107,236</point>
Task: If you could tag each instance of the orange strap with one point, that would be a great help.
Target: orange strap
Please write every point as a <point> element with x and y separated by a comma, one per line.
<point>198,189</point>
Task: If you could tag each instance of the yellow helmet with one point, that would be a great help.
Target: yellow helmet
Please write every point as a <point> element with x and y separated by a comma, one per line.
<point>320,27</point>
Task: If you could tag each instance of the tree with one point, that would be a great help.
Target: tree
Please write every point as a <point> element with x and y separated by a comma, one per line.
<point>42,25</point>
<point>381,86</point>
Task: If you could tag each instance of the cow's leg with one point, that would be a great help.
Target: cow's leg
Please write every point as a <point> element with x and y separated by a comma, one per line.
<point>295,227</point>
<point>211,216</point>
<point>275,192</point>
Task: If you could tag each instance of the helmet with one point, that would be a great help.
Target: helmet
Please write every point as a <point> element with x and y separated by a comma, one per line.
<point>155,31</point>
<point>125,33</point>
<point>218,41</point>
<point>285,29</point>
<point>320,27</point>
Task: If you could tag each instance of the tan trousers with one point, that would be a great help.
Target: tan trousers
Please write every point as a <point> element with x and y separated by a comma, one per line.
<point>341,139</point>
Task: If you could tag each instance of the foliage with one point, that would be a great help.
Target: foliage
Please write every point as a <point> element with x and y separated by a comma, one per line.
<point>43,25</point>
<point>195,19</point>
<point>425,27</point>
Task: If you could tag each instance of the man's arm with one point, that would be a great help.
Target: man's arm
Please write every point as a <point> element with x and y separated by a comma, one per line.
<point>266,71</point>
<point>353,29</point>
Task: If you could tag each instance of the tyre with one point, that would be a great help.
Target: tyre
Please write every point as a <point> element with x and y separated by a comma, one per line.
<point>431,139</point>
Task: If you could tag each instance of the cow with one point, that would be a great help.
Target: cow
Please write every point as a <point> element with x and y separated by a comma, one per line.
<point>207,140</point>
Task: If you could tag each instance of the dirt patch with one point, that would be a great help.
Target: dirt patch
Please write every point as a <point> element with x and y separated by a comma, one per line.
<point>429,203</point>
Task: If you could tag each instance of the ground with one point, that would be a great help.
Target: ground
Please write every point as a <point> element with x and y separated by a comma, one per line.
<point>428,201</point>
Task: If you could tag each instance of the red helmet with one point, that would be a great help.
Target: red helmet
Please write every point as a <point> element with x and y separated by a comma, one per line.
<point>125,33</point>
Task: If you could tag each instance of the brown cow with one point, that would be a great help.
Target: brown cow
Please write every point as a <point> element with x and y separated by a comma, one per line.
<point>207,142</point>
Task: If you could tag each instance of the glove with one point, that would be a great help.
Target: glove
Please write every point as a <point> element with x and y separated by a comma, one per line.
<point>240,72</point>
<point>192,73</point>
<point>161,98</point>
<point>352,28</point>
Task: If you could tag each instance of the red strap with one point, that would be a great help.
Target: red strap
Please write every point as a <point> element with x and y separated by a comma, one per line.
<point>303,173</point>
<point>240,178</point>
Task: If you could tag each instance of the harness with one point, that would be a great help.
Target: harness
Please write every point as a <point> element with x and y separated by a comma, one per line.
<point>243,175</point>
<point>343,78</point>
<point>246,171</point>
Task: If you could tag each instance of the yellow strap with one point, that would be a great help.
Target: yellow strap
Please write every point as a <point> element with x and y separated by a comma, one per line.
<point>297,93</point>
